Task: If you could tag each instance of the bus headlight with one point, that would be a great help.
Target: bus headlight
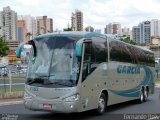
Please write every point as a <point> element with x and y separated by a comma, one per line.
<point>72,98</point>
<point>27,96</point>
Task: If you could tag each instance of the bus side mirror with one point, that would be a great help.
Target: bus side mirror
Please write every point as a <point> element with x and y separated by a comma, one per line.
<point>19,50</point>
<point>79,49</point>
<point>31,42</point>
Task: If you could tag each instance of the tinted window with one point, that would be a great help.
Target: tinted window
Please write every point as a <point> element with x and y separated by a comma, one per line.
<point>119,52</point>
<point>99,49</point>
<point>95,53</point>
<point>122,52</point>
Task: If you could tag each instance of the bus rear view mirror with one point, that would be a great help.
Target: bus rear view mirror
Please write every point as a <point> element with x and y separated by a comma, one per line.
<point>19,50</point>
<point>79,49</point>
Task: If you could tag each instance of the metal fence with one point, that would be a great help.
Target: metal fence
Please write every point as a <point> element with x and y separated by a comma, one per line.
<point>11,79</point>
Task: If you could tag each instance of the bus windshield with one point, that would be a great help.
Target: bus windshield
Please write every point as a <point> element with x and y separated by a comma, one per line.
<point>55,63</point>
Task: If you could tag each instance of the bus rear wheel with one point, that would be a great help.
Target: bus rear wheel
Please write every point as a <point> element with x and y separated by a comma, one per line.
<point>141,97</point>
<point>102,104</point>
<point>145,95</point>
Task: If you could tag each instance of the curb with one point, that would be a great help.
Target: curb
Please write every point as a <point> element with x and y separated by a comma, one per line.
<point>157,85</point>
<point>11,102</point>
<point>11,95</point>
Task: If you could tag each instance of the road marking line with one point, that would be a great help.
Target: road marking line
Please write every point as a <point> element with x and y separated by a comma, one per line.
<point>11,103</point>
<point>12,84</point>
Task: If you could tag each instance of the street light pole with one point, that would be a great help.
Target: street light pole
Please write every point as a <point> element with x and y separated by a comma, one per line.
<point>158,59</point>
<point>4,73</point>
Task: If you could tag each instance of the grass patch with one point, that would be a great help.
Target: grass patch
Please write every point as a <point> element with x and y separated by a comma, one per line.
<point>13,90</point>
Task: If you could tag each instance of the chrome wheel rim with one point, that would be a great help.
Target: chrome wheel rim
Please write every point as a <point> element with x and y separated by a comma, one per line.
<point>101,104</point>
<point>145,95</point>
<point>141,97</point>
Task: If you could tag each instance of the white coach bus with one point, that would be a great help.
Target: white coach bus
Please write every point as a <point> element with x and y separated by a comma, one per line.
<point>80,71</point>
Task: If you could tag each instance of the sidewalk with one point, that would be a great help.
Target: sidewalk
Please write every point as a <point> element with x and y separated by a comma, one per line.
<point>157,84</point>
<point>14,101</point>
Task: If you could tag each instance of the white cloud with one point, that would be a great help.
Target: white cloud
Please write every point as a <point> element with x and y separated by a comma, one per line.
<point>97,13</point>
<point>127,12</point>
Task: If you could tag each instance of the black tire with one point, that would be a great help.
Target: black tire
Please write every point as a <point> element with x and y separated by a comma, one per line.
<point>145,95</point>
<point>141,97</point>
<point>102,104</point>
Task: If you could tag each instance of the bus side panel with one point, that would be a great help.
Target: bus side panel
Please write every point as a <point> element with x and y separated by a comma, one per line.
<point>92,87</point>
<point>126,80</point>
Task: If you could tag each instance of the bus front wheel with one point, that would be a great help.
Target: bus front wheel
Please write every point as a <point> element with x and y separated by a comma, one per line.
<point>102,103</point>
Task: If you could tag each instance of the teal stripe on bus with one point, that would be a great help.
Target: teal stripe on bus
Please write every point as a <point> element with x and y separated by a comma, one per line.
<point>134,92</point>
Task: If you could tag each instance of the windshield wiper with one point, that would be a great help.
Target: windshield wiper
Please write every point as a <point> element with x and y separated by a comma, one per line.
<point>34,80</point>
<point>67,83</point>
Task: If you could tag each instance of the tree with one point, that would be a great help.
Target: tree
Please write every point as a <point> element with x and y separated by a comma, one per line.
<point>3,47</point>
<point>67,29</point>
<point>127,40</point>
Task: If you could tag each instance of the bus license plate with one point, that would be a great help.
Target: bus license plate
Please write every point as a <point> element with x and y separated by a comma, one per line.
<point>47,106</point>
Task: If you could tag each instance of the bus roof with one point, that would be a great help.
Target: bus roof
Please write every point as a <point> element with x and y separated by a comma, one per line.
<point>83,34</point>
<point>72,34</point>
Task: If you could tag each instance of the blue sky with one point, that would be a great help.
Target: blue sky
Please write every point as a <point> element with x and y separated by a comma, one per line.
<point>97,13</point>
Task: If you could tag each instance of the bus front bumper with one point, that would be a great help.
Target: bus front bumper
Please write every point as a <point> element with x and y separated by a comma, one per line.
<point>57,106</point>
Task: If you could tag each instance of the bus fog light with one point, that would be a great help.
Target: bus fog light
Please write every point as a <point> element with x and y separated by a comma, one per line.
<point>72,98</point>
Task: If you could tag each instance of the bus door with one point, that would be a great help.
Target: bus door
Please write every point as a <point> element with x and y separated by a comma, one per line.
<point>87,100</point>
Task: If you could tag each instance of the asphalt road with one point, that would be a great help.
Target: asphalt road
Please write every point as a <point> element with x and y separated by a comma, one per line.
<point>14,86</point>
<point>115,112</point>
<point>13,81</point>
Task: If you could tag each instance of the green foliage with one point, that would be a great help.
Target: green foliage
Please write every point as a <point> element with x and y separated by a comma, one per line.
<point>127,40</point>
<point>67,29</point>
<point>13,90</point>
<point>3,47</point>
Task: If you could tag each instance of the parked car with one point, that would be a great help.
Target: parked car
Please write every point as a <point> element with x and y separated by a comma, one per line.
<point>4,72</point>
